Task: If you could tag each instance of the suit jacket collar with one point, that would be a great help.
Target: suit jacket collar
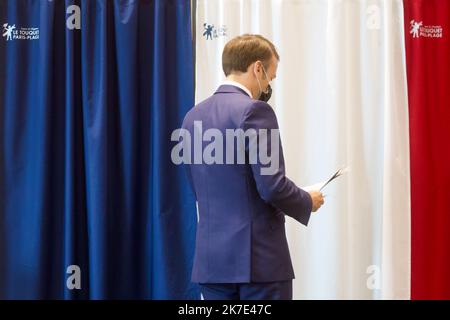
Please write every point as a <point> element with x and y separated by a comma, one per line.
<point>227,88</point>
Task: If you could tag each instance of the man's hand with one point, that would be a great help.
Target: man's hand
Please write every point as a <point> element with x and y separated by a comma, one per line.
<point>317,200</point>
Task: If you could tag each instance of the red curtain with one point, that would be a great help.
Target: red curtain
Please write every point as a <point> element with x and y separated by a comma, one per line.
<point>428,69</point>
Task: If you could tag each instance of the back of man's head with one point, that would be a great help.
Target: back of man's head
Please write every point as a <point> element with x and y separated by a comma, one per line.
<point>240,52</point>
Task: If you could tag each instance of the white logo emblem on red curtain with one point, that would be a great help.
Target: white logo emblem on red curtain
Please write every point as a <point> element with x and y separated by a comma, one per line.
<point>415,26</point>
<point>428,31</point>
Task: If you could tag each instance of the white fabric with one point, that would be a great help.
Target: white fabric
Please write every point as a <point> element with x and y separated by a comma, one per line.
<point>340,97</point>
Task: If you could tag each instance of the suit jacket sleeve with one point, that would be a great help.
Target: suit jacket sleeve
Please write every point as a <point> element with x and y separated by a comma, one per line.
<point>275,188</point>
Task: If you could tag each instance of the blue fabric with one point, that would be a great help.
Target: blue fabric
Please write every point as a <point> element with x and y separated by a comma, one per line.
<point>241,233</point>
<point>85,171</point>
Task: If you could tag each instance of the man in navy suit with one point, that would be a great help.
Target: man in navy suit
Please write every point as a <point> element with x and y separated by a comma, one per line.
<point>241,246</point>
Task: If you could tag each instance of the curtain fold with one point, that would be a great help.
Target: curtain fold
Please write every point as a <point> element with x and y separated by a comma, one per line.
<point>85,171</point>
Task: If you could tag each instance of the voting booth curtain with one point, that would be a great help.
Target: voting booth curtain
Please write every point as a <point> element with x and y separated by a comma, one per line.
<point>91,207</point>
<point>427,25</point>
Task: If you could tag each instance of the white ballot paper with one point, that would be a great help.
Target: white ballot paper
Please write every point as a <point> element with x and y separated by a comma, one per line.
<point>319,186</point>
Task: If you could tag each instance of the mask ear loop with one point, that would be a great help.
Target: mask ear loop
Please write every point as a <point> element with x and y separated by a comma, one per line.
<point>259,83</point>
<point>265,74</point>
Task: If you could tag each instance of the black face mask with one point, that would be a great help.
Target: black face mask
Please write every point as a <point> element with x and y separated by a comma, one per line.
<point>265,96</point>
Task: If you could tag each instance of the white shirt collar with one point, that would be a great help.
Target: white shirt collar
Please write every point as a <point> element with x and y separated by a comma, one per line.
<point>237,84</point>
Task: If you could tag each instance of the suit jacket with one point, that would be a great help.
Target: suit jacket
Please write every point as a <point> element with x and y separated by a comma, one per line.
<point>241,230</point>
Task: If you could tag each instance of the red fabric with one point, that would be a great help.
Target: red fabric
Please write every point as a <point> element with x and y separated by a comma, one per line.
<point>428,69</point>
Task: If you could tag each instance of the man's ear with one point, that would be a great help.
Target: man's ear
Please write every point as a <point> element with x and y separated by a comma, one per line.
<point>253,68</point>
<point>258,65</point>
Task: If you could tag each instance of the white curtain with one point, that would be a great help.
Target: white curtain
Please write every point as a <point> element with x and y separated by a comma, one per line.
<point>340,97</point>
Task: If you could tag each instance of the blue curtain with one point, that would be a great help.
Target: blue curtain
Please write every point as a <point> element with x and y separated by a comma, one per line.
<point>86,177</point>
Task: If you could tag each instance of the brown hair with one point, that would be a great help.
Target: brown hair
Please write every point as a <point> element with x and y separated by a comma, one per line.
<point>242,51</point>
